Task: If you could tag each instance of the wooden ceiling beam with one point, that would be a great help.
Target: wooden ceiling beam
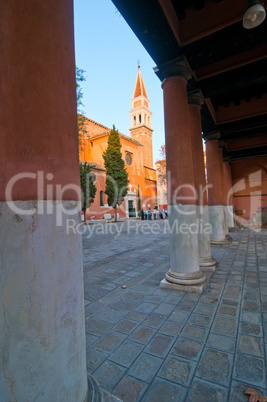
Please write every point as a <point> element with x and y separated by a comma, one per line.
<point>246,125</point>
<point>231,63</point>
<point>213,17</point>
<point>245,143</point>
<point>245,153</point>
<point>247,80</point>
<point>241,136</point>
<point>244,110</point>
<point>171,16</point>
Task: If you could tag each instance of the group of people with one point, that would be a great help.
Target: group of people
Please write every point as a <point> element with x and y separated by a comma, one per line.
<point>148,214</point>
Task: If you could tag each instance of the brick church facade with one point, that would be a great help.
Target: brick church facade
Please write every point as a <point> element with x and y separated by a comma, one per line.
<point>137,153</point>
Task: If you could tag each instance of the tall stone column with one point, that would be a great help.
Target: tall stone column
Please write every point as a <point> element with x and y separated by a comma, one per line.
<point>42,337</point>
<point>184,273</point>
<point>206,261</point>
<point>229,209</point>
<point>216,191</point>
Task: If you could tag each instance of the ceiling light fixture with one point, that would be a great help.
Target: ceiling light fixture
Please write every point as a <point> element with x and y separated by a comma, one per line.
<point>255,14</point>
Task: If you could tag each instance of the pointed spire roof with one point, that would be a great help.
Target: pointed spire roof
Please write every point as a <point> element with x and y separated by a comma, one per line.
<point>139,89</point>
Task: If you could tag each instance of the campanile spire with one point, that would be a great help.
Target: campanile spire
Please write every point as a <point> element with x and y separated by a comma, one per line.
<point>141,128</point>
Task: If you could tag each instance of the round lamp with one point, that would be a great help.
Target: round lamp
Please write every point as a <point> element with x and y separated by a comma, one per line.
<point>254,15</point>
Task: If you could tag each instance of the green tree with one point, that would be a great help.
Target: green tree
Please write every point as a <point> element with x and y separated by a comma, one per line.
<point>88,189</point>
<point>79,95</point>
<point>161,166</point>
<point>116,174</point>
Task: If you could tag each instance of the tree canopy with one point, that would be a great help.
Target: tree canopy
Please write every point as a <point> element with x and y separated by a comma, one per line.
<point>88,188</point>
<point>79,95</point>
<point>116,174</point>
<point>161,166</point>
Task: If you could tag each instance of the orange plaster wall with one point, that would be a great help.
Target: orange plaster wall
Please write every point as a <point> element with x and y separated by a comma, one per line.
<point>149,194</point>
<point>94,149</point>
<point>92,127</point>
<point>249,178</point>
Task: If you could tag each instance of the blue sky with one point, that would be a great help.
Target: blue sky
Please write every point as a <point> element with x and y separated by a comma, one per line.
<point>108,51</point>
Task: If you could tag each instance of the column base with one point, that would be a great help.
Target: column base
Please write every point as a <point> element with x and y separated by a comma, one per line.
<point>189,282</point>
<point>208,264</point>
<point>186,288</point>
<point>206,261</point>
<point>96,393</point>
<point>219,242</point>
<point>218,224</point>
<point>190,278</point>
<point>228,237</point>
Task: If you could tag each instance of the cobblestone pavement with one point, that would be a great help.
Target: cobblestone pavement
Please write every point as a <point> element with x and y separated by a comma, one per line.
<point>150,344</point>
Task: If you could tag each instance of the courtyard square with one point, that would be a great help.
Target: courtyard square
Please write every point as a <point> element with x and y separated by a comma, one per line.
<point>144,343</point>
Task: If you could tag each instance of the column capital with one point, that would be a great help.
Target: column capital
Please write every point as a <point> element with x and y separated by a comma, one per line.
<point>177,67</point>
<point>221,143</point>
<point>212,136</point>
<point>195,98</point>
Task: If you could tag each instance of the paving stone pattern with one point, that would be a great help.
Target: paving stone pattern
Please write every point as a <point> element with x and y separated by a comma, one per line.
<point>144,343</point>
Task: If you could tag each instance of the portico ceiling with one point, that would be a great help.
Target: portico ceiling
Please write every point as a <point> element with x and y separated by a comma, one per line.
<point>225,63</point>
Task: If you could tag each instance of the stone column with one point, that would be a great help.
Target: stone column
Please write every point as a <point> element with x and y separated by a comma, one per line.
<point>229,209</point>
<point>42,337</point>
<point>206,261</point>
<point>216,191</point>
<point>184,272</point>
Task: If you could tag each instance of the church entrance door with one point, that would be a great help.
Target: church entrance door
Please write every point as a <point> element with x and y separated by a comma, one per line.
<point>131,209</point>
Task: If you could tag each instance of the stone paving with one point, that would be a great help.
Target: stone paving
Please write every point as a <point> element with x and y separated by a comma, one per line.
<point>150,344</point>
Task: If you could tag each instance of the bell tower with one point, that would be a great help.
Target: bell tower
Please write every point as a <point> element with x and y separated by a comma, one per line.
<point>141,119</point>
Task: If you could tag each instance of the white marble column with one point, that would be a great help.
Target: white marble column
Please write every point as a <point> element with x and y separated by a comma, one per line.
<point>42,336</point>
<point>229,221</point>
<point>216,191</point>
<point>206,261</point>
<point>184,272</point>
